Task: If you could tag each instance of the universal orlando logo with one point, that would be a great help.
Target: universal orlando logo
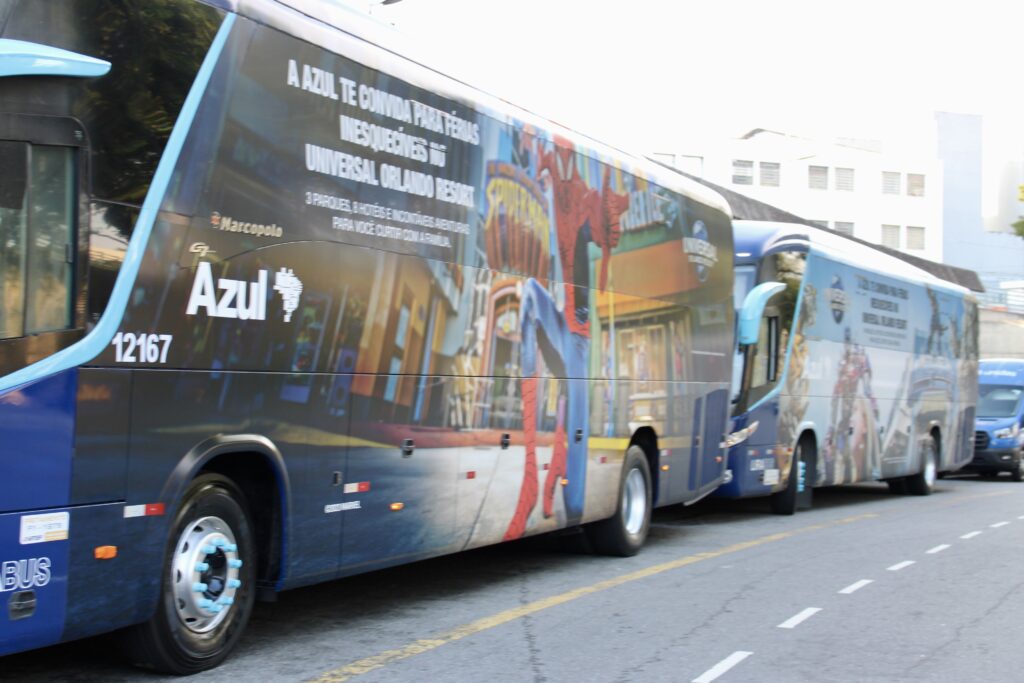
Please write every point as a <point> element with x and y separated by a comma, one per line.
<point>701,253</point>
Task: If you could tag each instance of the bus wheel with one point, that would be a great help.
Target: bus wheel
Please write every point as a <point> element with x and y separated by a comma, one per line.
<point>624,533</point>
<point>923,483</point>
<point>208,584</point>
<point>785,501</point>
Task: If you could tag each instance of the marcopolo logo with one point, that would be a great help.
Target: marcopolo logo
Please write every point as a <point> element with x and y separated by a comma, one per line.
<point>19,575</point>
<point>229,224</point>
<point>837,299</point>
<point>242,299</point>
<point>700,252</point>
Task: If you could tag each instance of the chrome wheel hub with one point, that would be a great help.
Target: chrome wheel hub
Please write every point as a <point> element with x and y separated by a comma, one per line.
<point>205,574</point>
<point>634,502</point>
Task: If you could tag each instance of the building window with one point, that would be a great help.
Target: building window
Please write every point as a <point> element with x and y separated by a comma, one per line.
<point>915,237</point>
<point>770,172</point>
<point>820,223</point>
<point>844,228</point>
<point>844,179</point>
<point>890,182</point>
<point>891,236</point>
<point>742,172</point>
<point>817,177</point>
<point>915,184</point>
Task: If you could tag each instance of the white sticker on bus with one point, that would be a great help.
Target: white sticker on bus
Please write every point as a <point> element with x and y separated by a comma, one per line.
<point>341,507</point>
<point>52,526</point>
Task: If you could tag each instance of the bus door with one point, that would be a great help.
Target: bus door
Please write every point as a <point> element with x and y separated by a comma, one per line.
<point>40,287</point>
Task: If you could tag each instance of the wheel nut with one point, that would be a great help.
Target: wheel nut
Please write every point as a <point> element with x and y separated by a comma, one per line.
<point>234,583</point>
<point>202,567</point>
<point>200,587</point>
<point>234,564</point>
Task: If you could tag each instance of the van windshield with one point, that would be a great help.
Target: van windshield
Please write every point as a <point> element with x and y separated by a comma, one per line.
<point>998,400</point>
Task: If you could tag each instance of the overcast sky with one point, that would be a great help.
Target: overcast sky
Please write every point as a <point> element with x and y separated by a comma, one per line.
<point>636,73</point>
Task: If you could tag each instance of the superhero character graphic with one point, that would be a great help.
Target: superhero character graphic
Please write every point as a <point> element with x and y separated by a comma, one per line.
<point>851,442</point>
<point>582,215</point>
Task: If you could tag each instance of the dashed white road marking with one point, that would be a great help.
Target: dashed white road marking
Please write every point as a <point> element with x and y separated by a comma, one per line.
<point>723,666</point>
<point>798,619</point>
<point>1021,517</point>
<point>900,565</point>
<point>998,524</point>
<point>937,549</point>
<point>856,586</point>
<point>972,534</point>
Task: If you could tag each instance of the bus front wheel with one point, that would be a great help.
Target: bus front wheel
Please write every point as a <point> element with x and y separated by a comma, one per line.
<point>208,583</point>
<point>624,533</point>
<point>785,502</point>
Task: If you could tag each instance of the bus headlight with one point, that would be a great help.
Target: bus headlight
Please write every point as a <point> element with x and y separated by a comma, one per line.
<point>740,436</point>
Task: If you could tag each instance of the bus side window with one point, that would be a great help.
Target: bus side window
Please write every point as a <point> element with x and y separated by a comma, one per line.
<point>14,170</point>
<point>37,223</point>
<point>765,356</point>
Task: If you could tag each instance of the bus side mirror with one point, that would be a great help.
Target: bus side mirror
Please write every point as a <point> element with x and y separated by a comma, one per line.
<point>753,309</point>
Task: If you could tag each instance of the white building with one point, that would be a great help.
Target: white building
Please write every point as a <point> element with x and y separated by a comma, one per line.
<point>886,196</point>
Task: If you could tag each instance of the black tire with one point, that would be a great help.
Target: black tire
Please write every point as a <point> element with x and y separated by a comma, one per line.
<point>1016,473</point>
<point>923,483</point>
<point>785,502</point>
<point>624,533</point>
<point>897,486</point>
<point>166,642</point>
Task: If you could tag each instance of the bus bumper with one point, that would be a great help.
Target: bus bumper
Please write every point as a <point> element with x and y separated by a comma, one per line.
<point>750,475</point>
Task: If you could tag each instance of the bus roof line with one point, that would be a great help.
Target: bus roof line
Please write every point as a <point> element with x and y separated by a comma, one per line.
<point>22,58</point>
<point>93,343</point>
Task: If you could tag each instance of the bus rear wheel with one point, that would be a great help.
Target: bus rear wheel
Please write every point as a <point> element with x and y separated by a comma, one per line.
<point>208,584</point>
<point>624,533</point>
<point>923,483</point>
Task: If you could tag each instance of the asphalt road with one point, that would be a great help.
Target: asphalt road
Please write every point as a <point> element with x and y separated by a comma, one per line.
<point>865,587</point>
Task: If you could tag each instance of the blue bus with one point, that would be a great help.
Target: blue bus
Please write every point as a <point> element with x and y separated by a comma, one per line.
<point>998,436</point>
<point>851,365</point>
<point>278,306</point>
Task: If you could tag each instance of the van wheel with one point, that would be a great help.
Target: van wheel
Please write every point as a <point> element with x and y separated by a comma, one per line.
<point>1016,474</point>
<point>897,486</point>
<point>624,533</point>
<point>923,483</point>
<point>208,584</point>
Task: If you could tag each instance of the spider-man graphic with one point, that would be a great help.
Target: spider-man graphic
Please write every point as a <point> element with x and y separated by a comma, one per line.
<point>582,215</point>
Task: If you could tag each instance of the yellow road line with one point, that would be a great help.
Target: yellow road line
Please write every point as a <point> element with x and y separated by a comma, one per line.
<point>378,661</point>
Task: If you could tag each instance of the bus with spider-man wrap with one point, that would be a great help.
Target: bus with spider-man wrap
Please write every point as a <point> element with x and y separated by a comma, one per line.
<point>851,366</point>
<point>280,306</point>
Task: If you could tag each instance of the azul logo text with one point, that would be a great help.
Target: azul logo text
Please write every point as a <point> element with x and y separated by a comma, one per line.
<point>241,299</point>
